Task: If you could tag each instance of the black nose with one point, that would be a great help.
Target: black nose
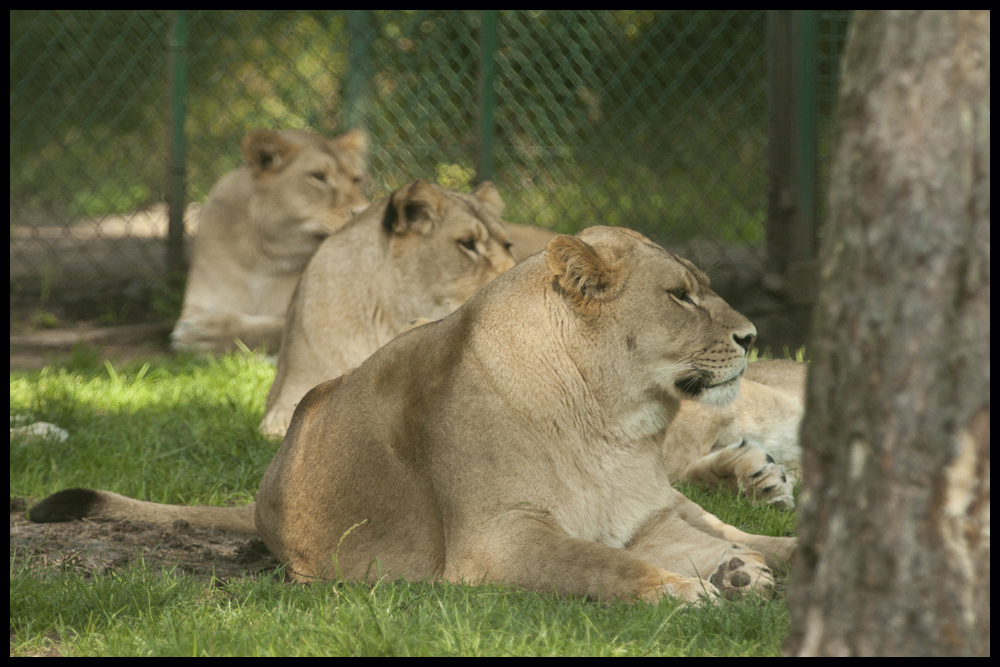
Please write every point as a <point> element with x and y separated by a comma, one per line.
<point>746,342</point>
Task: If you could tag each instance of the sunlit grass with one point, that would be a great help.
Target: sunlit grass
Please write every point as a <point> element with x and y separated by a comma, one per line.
<point>184,430</point>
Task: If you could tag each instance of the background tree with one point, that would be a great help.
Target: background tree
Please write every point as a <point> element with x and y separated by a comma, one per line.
<point>895,518</point>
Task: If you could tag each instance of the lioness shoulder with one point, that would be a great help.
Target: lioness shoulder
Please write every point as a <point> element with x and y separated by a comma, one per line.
<point>419,253</point>
<point>258,229</point>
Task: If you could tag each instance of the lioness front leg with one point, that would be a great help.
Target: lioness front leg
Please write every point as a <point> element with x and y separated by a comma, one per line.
<point>777,551</point>
<point>533,552</point>
<point>745,468</point>
<point>666,539</point>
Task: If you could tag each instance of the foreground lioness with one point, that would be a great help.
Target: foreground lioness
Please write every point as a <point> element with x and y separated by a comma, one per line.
<point>259,227</point>
<point>419,253</point>
<point>517,440</point>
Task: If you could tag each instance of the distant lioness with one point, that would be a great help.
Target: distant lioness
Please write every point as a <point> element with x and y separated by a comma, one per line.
<point>419,253</point>
<point>259,227</point>
<point>518,440</point>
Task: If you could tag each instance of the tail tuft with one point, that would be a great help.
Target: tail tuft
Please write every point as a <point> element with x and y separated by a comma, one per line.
<point>67,505</point>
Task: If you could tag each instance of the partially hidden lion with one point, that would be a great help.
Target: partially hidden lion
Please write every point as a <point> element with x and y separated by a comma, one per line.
<point>518,440</point>
<point>526,240</point>
<point>750,446</point>
<point>418,253</point>
<point>258,229</point>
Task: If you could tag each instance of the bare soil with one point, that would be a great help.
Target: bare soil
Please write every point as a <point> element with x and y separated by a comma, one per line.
<point>92,547</point>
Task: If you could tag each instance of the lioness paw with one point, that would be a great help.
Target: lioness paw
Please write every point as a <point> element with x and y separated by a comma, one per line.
<point>742,570</point>
<point>748,468</point>
<point>772,484</point>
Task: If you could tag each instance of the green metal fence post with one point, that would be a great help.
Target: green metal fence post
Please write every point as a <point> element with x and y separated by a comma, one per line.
<point>487,75</point>
<point>177,168</point>
<point>357,83</point>
<point>806,116</point>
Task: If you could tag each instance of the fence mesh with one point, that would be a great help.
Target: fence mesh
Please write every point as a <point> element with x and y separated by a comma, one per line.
<point>651,119</point>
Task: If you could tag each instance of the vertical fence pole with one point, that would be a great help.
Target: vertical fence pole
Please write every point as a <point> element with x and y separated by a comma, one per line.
<point>357,88</point>
<point>781,200</point>
<point>177,168</point>
<point>806,117</point>
<point>487,75</point>
<point>792,212</point>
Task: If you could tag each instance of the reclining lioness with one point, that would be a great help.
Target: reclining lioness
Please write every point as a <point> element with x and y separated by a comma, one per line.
<point>261,224</point>
<point>517,440</point>
<point>418,253</point>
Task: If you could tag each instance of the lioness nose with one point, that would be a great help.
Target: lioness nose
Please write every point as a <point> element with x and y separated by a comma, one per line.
<point>746,342</point>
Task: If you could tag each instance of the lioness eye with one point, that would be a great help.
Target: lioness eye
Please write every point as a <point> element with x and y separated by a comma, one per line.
<point>681,294</point>
<point>318,175</point>
<point>468,244</point>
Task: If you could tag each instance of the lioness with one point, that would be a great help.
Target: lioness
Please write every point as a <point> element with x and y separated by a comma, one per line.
<point>419,253</point>
<point>259,227</point>
<point>518,440</point>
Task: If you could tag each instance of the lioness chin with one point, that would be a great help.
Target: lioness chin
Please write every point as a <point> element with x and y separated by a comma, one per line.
<point>517,440</point>
<point>259,227</point>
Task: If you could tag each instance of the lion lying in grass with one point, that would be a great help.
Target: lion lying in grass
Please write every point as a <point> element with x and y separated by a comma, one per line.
<point>419,253</point>
<point>518,440</point>
<point>259,227</point>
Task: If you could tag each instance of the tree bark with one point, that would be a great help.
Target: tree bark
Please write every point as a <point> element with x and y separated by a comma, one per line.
<point>894,553</point>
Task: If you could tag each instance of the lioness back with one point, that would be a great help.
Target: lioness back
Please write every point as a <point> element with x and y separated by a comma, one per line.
<point>258,229</point>
<point>419,253</point>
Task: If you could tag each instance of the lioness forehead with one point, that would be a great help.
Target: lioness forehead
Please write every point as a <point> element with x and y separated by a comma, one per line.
<point>480,211</point>
<point>320,144</point>
<point>633,239</point>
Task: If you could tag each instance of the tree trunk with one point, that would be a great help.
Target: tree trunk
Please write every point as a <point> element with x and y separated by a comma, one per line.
<point>894,553</point>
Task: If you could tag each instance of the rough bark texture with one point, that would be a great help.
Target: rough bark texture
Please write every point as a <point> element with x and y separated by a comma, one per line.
<point>895,513</point>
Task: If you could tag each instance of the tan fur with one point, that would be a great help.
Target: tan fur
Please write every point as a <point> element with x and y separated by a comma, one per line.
<point>258,229</point>
<point>526,240</point>
<point>519,439</point>
<point>419,253</point>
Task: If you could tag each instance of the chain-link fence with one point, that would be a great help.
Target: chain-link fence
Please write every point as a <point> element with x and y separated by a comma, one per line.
<point>657,120</point>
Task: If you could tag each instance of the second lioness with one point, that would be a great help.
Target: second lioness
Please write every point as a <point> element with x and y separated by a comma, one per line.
<point>421,252</point>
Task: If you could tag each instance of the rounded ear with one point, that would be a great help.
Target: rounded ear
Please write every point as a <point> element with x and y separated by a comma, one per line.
<point>353,146</point>
<point>580,270</point>
<point>414,207</point>
<point>265,150</point>
<point>487,193</point>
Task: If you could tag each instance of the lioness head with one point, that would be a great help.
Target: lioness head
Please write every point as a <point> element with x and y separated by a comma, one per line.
<point>665,300</point>
<point>655,309</point>
<point>303,183</point>
<point>446,244</point>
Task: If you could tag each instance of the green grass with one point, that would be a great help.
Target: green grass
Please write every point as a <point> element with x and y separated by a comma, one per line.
<point>183,430</point>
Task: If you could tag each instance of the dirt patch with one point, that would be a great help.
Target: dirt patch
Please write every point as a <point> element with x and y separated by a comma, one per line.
<point>92,547</point>
<point>33,349</point>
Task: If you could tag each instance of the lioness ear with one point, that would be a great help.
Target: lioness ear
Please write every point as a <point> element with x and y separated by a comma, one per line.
<point>266,151</point>
<point>414,207</point>
<point>487,193</point>
<point>581,272</point>
<point>353,146</point>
